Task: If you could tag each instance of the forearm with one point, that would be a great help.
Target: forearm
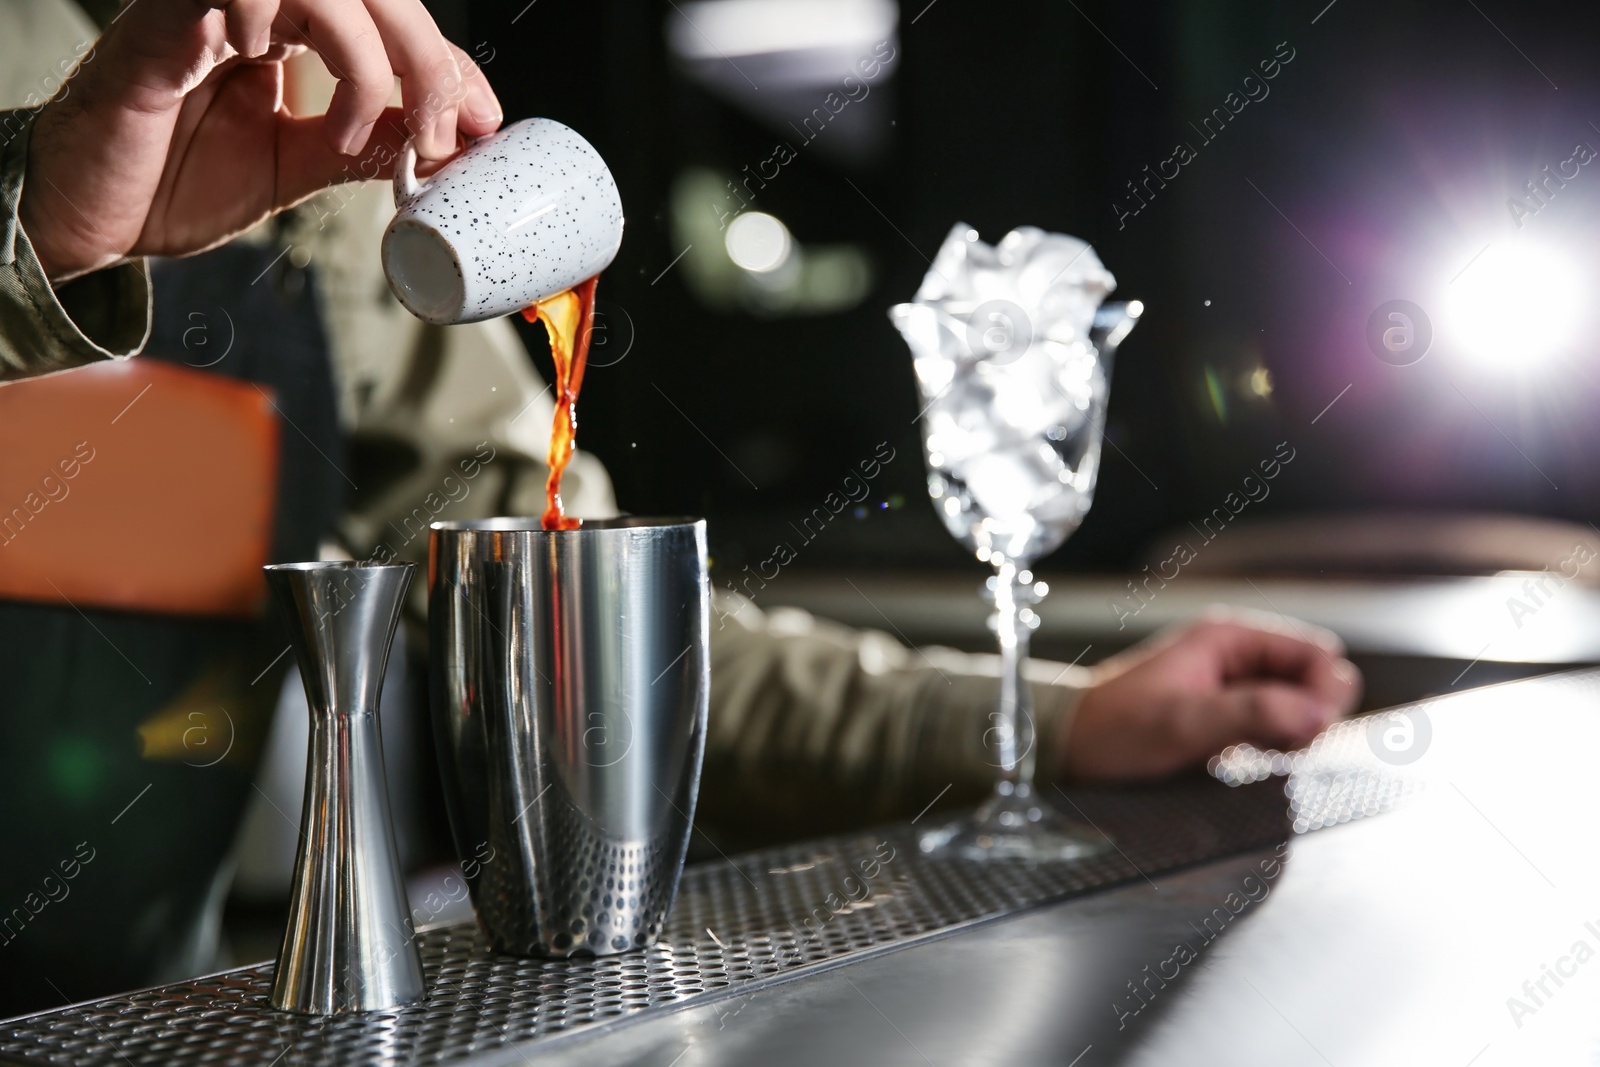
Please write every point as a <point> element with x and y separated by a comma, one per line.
<point>817,727</point>
<point>100,316</point>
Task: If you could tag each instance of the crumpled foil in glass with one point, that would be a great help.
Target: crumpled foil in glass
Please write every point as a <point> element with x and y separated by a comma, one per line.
<point>1013,385</point>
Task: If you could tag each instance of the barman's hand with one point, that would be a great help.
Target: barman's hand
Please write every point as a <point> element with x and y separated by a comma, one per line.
<point>173,136</point>
<point>1180,698</point>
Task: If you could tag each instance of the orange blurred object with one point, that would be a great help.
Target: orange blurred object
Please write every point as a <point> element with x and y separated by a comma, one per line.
<point>137,485</point>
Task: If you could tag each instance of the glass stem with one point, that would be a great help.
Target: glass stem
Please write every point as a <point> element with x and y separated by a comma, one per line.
<point>1014,717</point>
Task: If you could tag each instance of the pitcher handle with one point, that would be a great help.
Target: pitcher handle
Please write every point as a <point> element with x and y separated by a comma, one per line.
<point>406,186</point>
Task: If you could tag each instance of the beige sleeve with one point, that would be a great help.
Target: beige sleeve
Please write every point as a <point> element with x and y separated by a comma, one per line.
<point>99,316</point>
<point>815,726</point>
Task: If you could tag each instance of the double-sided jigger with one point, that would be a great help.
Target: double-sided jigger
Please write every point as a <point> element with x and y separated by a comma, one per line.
<point>350,945</point>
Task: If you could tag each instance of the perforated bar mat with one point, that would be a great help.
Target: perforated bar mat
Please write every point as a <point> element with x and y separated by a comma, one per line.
<point>759,918</point>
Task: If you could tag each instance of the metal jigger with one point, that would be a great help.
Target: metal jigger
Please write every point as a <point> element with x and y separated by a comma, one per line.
<point>350,945</point>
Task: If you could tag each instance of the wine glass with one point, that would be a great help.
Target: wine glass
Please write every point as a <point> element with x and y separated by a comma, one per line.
<point>1012,430</point>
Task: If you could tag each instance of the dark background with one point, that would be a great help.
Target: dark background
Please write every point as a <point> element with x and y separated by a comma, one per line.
<point>1380,162</point>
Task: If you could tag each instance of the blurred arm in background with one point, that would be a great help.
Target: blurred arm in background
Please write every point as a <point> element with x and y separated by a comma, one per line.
<point>816,726</point>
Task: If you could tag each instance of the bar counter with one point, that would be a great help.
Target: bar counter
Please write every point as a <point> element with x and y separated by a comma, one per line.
<point>1367,907</point>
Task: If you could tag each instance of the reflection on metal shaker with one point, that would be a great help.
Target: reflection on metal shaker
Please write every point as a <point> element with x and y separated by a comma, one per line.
<point>570,677</point>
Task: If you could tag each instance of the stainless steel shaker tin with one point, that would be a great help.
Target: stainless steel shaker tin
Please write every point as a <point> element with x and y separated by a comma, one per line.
<point>570,676</point>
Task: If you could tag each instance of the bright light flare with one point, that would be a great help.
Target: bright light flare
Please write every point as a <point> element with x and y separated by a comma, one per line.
<point>1514,306</point>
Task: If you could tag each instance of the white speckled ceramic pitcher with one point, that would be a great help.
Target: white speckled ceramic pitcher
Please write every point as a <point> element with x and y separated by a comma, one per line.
<point>522,214</point>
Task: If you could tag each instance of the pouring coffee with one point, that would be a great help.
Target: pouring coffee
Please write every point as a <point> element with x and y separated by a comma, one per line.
<point>524,219</point>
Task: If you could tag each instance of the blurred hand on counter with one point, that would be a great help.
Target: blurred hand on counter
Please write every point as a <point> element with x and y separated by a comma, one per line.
<point>1179,698</point>
<point>172,136</point>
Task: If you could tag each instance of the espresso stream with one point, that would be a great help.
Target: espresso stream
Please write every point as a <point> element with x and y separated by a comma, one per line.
<point>568,319</point>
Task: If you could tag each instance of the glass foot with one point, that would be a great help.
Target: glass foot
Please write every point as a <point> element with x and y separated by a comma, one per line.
<point>1014,825</point>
